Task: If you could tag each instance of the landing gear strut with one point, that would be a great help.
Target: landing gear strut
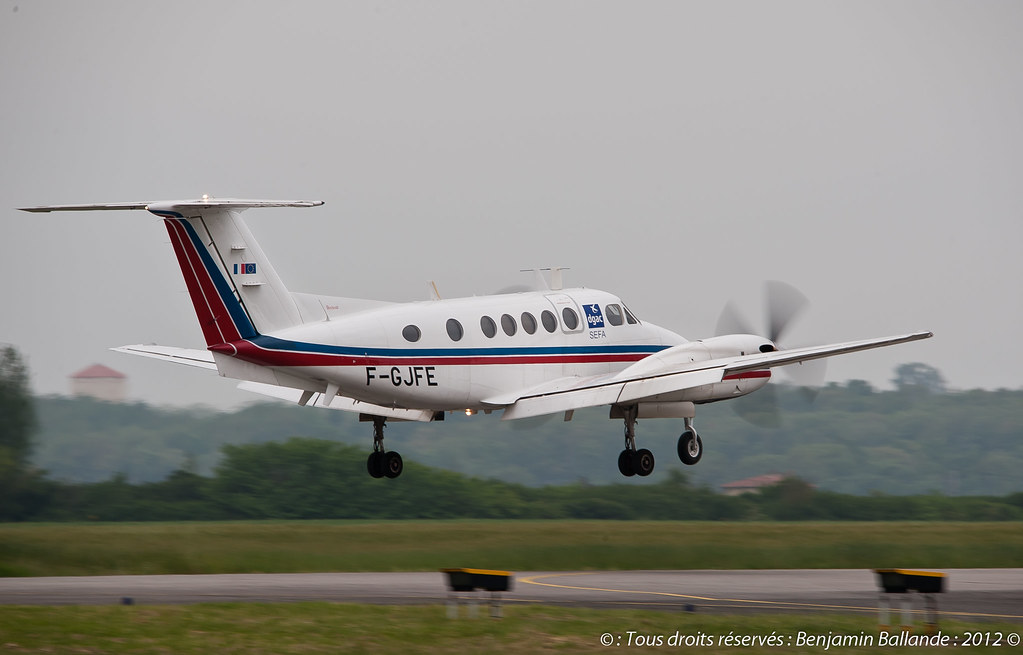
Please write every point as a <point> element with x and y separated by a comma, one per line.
<point>631,461</point>
<point>690,445</point>
<point>382,463</point>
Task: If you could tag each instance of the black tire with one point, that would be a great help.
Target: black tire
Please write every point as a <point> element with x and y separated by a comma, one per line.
<point>625,463</point>
<point>393,466</point>
<point>690,447</point>
<point>643,462</point>
<point>375,464</point>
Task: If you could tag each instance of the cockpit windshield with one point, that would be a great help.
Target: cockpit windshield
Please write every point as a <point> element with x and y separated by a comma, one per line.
<point>618,314</point>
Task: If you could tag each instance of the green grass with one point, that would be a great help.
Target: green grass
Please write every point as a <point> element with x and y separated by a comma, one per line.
<point>337,628</point>
<point>309,546</point>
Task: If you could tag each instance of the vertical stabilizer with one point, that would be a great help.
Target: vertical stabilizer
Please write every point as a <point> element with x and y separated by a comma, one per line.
<point>235,290</point>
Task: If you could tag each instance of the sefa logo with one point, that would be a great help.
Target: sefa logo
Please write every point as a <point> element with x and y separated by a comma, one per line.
<point>594,319</point>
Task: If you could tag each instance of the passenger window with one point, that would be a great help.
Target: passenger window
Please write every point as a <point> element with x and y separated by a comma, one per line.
<point>614,314</point>
<point>570,317</point>
<point>508,325</point>
<point>528,323</point>
<point>411,333</point>
<point>549,322</point>
<point>455,330</point>
<point>488,326</point>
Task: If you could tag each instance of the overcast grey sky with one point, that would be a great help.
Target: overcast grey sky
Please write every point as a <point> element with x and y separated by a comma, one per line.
<point>675,153</point>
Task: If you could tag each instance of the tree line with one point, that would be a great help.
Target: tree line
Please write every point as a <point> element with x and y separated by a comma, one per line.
<point>317,479</point>
<point>913,439</point>
<point>454,471</point>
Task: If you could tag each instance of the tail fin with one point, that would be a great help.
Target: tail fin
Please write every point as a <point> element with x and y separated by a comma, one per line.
<point>235,291</point>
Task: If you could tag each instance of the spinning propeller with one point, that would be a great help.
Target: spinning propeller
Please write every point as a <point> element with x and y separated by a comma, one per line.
<point>783,303</point>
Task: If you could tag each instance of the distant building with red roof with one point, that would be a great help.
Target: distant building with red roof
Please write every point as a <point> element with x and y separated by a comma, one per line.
<point>752,485</point>
<point>100,382</point>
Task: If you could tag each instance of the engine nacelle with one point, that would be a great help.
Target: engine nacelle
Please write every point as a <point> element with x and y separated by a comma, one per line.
<point>681,409</point>
<point>732,345</point>
<point>724,347</point>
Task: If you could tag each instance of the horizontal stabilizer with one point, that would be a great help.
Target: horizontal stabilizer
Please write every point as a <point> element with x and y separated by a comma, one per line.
<point>170,205</point>
<point>339,402</point>
<point>186,356</point>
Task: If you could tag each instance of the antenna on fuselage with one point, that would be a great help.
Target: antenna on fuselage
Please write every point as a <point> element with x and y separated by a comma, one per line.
<point>431,289</point>
<point>557,283</point>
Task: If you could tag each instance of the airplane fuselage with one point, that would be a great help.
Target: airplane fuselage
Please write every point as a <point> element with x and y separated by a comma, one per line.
<point>458,354</point>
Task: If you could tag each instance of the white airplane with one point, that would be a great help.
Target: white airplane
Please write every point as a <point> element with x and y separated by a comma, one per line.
<point>552,350</point>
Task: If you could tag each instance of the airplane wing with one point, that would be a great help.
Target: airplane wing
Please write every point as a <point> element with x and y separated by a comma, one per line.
<point>611,389</point>
<point>652,377</point>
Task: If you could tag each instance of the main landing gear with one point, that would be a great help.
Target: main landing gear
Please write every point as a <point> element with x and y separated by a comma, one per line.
<point>641,462</point>
<point>382,463</point>
<point>631,461</point>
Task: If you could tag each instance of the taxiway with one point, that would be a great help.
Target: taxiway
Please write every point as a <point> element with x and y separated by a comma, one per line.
<point>992,593</point>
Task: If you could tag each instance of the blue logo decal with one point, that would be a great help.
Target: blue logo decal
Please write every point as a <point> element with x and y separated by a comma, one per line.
<point>594,319</point>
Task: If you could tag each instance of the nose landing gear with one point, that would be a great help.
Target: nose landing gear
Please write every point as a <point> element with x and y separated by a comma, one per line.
<point>690,445</point>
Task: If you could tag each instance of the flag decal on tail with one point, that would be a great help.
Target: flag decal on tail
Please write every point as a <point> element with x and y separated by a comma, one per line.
<point>244,269</point>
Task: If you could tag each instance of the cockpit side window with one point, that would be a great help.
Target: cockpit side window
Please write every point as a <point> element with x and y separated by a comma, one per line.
<point>614,314</point>
<point>630,318</point>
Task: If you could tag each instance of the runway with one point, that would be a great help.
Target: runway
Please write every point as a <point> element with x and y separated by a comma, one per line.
<point>977,593</point>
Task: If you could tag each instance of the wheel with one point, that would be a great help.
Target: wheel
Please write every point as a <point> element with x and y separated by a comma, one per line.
<point>690,447</point>
<point>393,466</point>
<point>643,462</point>
<point>375,464</point>
<point>625,463</point>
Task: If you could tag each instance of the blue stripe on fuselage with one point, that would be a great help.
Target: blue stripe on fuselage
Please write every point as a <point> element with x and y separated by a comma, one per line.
<point>273,343</point>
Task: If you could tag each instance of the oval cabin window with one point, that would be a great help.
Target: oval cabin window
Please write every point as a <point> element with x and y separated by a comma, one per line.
<point>508,325</point>
<point>488,326</point>
<point>550,323</point>
<point>455,330</point>
<point>570,317</point>
<point>411,333</point>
